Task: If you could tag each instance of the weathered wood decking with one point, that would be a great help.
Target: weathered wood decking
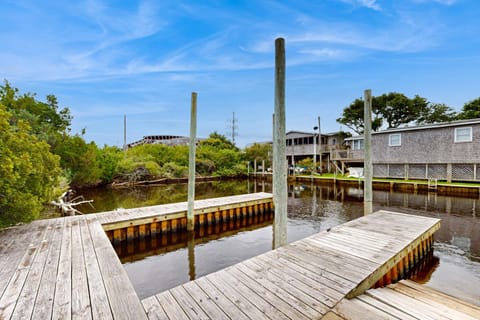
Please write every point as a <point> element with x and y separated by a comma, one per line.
<point>405,300</point>
<point>67,268</point>
<point>302,280</point>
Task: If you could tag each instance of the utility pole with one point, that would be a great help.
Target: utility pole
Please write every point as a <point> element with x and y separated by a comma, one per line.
<point>233,126</point>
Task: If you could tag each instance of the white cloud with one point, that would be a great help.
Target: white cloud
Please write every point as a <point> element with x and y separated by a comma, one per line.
<point>371,4</point>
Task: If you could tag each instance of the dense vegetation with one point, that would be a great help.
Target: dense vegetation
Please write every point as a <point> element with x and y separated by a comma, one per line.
<point>41,158</point>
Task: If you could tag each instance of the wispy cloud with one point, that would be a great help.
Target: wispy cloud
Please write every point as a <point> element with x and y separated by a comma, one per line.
<point>370,4</point>
<point>442,2</point>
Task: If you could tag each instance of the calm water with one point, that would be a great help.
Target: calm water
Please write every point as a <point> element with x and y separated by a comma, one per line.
<point>161,263</point>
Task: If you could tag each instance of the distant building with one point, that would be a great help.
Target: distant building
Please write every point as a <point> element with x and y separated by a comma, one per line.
<point>300,145</point>
<point>169,140</point>
<point>446,151</point>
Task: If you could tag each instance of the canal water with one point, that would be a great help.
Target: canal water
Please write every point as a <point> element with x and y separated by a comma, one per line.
<point>163,262</point>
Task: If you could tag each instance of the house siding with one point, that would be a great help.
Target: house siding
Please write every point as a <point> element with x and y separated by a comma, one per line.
<point>434,146</point>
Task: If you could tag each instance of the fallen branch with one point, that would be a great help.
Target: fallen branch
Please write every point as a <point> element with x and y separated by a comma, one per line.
<point>67,206</point>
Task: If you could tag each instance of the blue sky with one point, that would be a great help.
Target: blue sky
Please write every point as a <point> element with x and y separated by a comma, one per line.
<point>104,59</point>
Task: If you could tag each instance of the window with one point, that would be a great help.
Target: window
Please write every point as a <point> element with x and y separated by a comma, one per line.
<point>357,144</point>
<point>395,140</point>
<point>463,134</point>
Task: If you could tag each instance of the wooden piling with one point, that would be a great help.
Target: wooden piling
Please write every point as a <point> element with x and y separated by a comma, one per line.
<point>279,146</point>
<point>367,164</point>
<point>191,164</point>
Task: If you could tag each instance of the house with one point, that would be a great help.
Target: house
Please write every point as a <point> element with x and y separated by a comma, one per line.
<point>447,151</point>
<point>301,145</point>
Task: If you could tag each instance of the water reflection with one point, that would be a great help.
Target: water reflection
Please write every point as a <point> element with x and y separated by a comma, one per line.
<point>165,263</point>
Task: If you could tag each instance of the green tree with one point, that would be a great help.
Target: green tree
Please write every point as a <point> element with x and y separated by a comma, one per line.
<point>353,115</point>
<point>79,160</point>
<point>29,172</point>
<point>108,158</point>
<point>470,110</point>
<point>259,152</point>
<point>218,141</point>
<point>437,112</point>
<point>46,120</point>
<point>393,110</point>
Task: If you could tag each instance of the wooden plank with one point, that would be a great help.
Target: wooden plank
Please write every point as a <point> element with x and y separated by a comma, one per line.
<point>376,256</point>
<point>81,308</point>
<point>329,296</point>
<point>297,299</point>
<point>16,251</point>
<point>332,316</point>
<point>171,307</point>
<point>312,293</point>
<point>243,303</point>
<point>326,262</point>
<point>17,281</point>
<point>63,285</point>
<point>445,304</point>
<point>123,300</point>
<point>313,270</point>
<point>153,309</point>
<point>410,306</point>
<point>188,304</point>
<point>391,310</point>
<point>26,300</point>
<point>263,299</point>
<point>356,309</point>
<point>453,302</point>
<point>43,307</point>
<point>217,296</point>
<point>98,295</point>
<point>365,243</point>
<point>204,301</point>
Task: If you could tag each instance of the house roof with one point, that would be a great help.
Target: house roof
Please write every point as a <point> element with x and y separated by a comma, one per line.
<point>457,123</point>
<point>311,133</point>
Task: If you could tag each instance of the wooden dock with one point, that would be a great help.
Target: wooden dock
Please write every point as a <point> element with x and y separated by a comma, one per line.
<point>66,268</point>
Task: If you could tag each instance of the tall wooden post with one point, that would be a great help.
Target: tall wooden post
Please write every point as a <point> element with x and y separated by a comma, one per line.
<point>191,164</point>
<point>279,146</point>
<point>367,164</point>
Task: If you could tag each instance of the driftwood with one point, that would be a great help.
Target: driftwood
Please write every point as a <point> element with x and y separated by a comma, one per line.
<point>66,205</point>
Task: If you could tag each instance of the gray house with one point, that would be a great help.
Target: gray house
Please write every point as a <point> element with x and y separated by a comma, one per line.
<point>446,151</point>
<point>301,145</point>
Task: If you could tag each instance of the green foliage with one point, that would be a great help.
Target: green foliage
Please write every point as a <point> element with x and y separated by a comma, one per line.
<point>470,110</point>
<point>218,141</point>
<point>108,159</point>
<point>79,160</point>
<point>393,110</point>
<point>259,152</point>
<point>437,112</point>
<point>224,160</point>
<point>306,163</point>
<point>28,171</point>
<point>47,122</point>
<point>174,170</point>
